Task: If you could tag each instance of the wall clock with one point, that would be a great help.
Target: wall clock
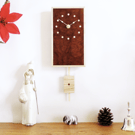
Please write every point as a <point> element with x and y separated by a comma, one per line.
<point>68,37</point>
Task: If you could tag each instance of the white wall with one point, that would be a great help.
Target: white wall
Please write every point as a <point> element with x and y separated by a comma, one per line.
<point>108,80</point>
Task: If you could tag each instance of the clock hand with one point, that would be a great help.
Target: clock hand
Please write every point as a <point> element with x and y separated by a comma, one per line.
<point>73,22</point>
<point>67,25</point>
<point>63,22</point>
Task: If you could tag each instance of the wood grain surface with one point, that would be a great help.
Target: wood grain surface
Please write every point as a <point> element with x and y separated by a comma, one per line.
<point>69,84</point>
<point>68,52</point>
<point>62,129</point>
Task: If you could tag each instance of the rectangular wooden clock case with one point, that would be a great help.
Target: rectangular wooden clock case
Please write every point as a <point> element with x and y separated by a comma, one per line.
<point>68,37</point>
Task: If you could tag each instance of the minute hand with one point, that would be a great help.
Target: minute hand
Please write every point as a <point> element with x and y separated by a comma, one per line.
<point>63,22</point>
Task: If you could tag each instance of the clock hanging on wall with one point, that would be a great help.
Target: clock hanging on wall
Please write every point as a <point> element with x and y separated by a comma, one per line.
<point>68,37</point>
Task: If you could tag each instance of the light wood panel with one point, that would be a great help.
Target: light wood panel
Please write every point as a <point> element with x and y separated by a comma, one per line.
<point>62,129</point>
<point>69,84</point>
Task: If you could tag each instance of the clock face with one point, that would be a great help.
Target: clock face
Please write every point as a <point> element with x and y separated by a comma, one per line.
<point>68,36</point>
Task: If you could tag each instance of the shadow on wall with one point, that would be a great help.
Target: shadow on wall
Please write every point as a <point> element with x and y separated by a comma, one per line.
<point>58,119</point>
<point>46,39</point>
<point>13,98</point>
<point>92,116</point>
<point>61,84</point>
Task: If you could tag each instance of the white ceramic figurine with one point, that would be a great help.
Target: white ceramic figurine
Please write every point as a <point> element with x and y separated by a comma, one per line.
<point>28,98</point>
<point>70,120</point>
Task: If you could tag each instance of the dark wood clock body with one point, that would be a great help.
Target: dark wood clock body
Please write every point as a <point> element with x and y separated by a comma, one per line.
<point>68,44</point>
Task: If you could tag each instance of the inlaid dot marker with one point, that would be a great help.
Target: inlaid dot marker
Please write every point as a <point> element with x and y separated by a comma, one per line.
<point>74,36</point>
<point>74,15</point>
<point>78,32</point>
<point>62,15</point>
<point>78,20</point>
<point>68,14</point>
<point>68,38</point>
<point>62,36</point>
<point>57,32</point>
<point>56,26</point>
<point>80,26</point>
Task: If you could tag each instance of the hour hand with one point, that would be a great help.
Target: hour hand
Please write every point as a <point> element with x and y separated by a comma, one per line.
<point>73,22</point>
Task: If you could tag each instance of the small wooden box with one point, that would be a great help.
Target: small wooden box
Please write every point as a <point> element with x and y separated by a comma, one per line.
<point>69,84</point>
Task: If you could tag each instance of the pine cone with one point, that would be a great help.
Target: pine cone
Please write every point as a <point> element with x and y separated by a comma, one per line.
<point>105,117</point>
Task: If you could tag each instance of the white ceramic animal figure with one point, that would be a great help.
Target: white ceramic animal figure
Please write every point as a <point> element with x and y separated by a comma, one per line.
<point>70,120</point>
<point>28,98</point>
